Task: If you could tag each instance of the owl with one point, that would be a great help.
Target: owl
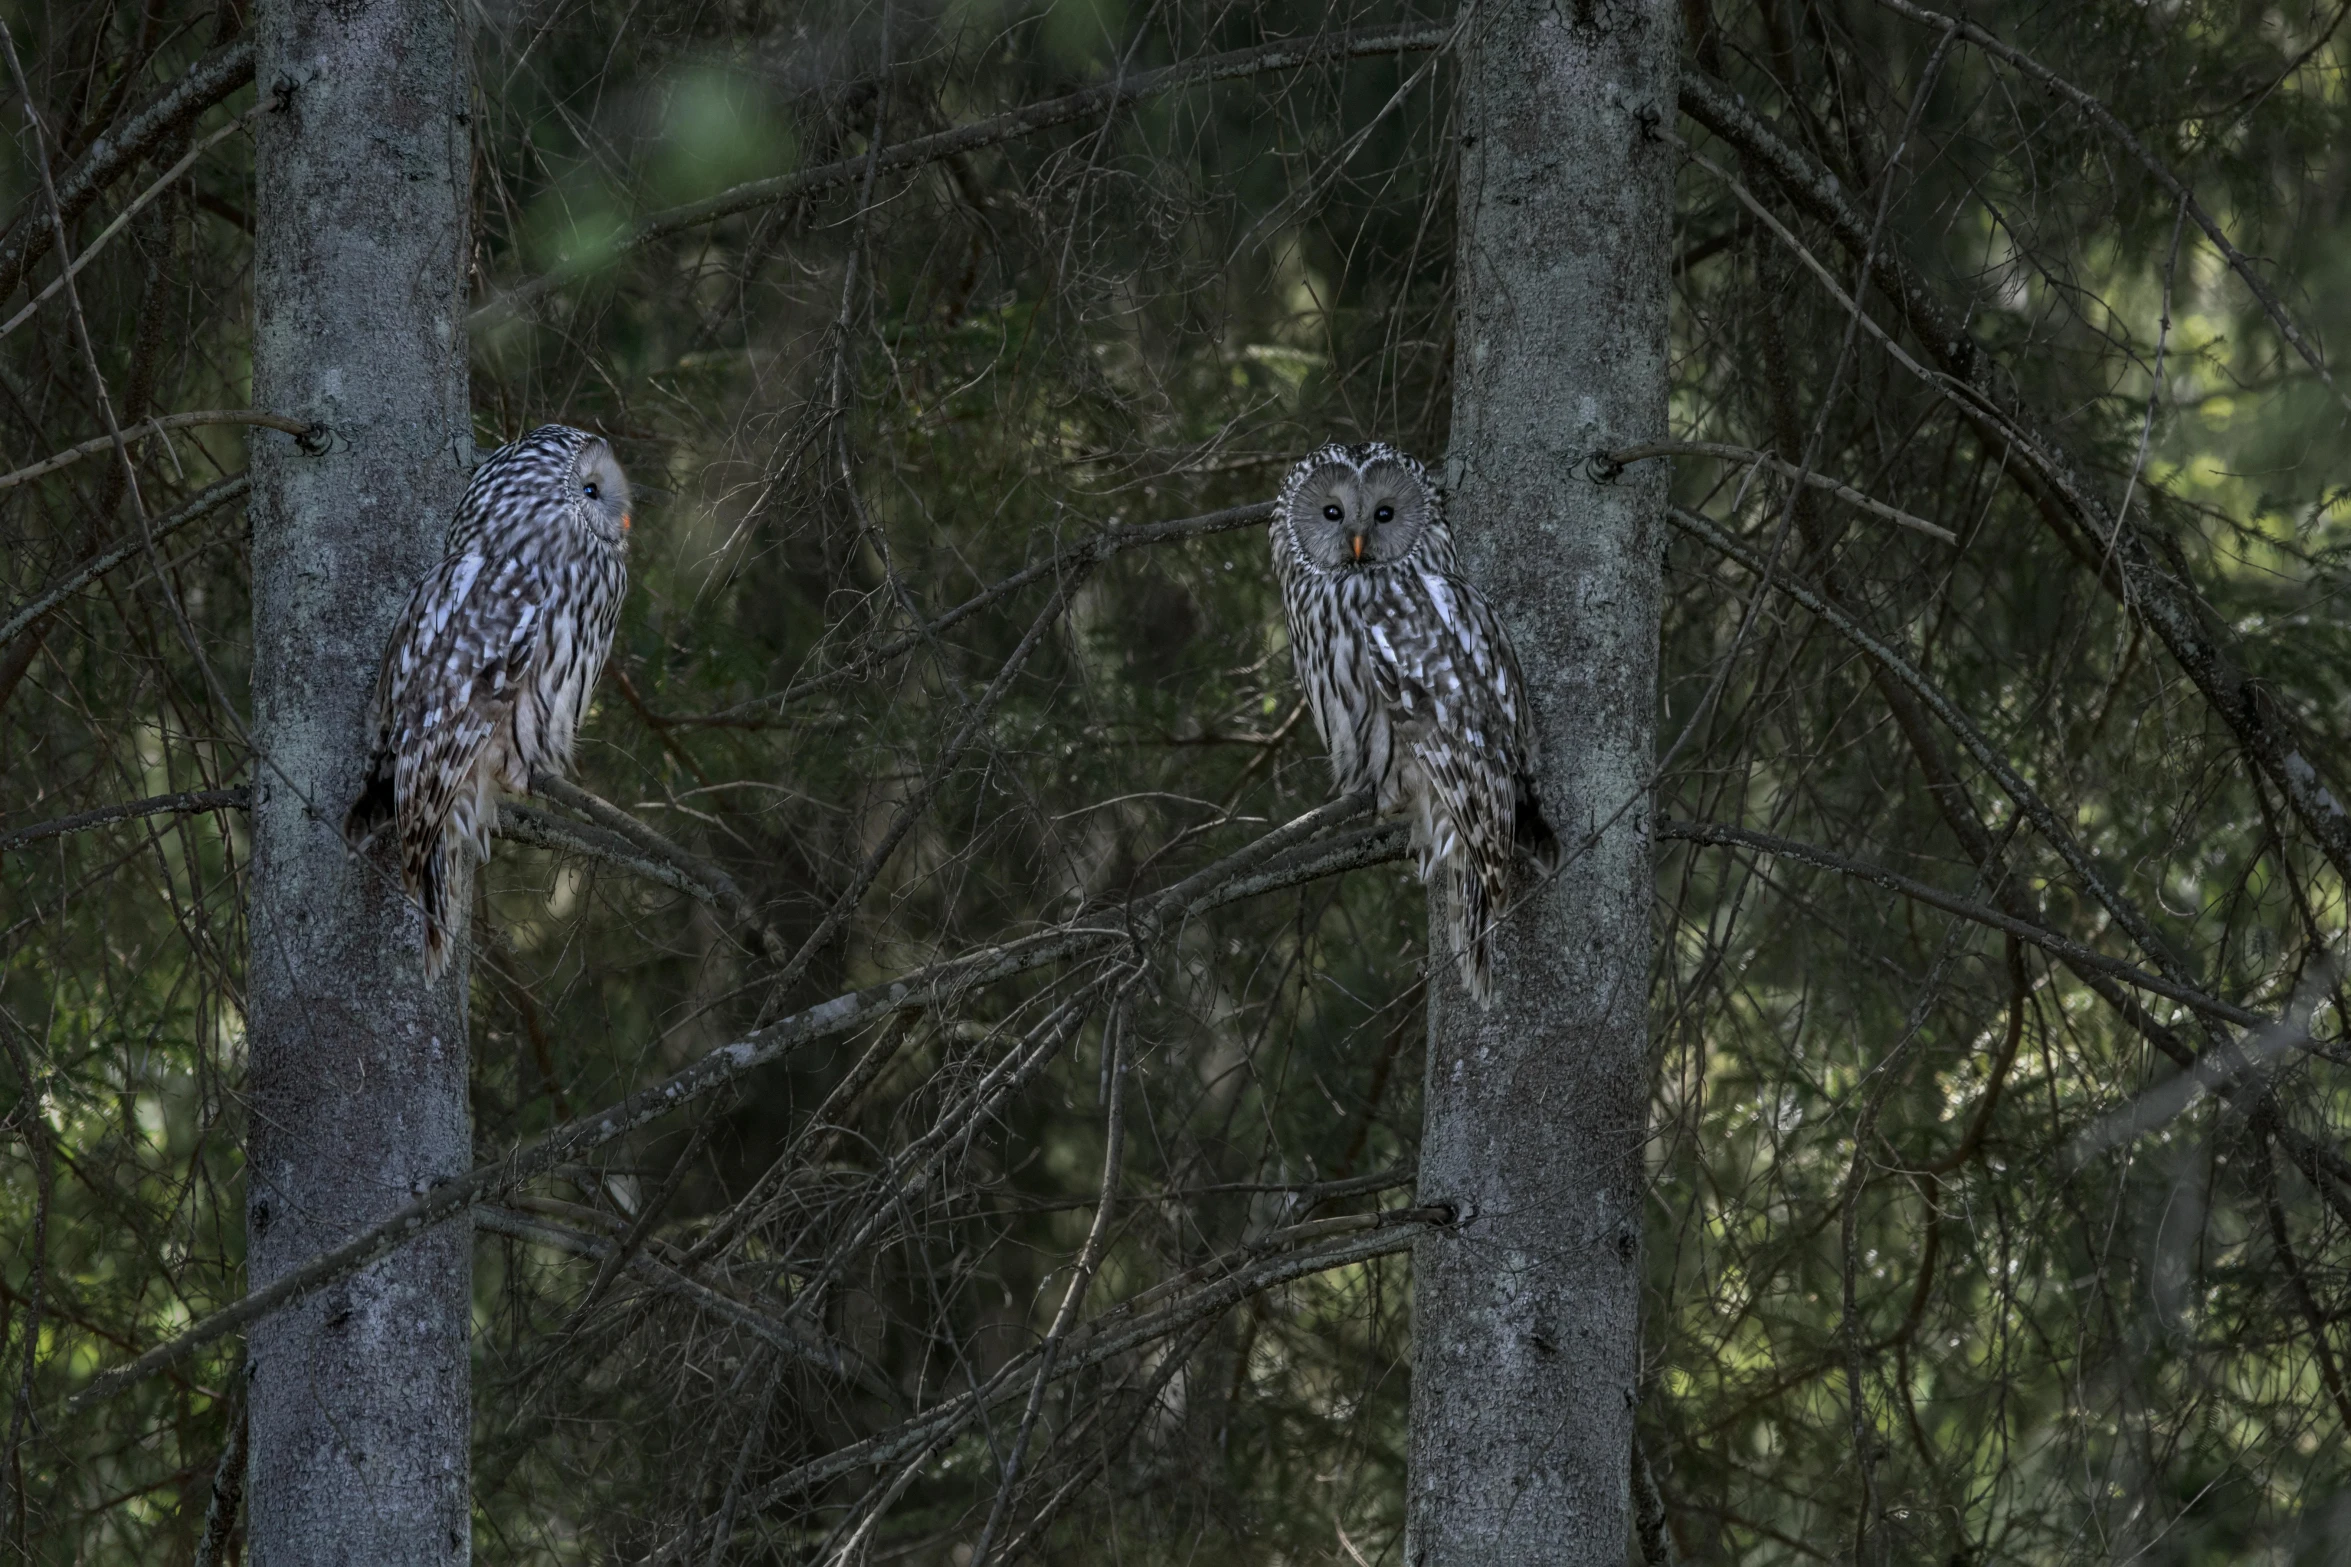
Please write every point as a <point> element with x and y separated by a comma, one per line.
<point>490,665</point>
<point>1412,683</point>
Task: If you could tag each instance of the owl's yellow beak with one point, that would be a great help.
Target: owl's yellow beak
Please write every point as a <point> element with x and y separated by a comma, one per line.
<point>1357,540</point>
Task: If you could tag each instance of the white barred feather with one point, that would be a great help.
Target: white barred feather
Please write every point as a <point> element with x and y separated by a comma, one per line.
<point>1412,681</point>
<point>490,664</point>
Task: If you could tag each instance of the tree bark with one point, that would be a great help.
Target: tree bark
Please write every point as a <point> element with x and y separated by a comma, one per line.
<point>1526,1311</point>
<point>359,1398</point>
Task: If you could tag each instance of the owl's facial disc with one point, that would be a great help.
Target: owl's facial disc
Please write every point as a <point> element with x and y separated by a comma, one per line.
<point>602,488</point>
<point>1347,520</point>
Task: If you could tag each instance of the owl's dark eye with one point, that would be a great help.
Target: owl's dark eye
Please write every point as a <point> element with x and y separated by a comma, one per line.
<point>1332,511</point>
<point>1384,514</point>
<point>590,491</point>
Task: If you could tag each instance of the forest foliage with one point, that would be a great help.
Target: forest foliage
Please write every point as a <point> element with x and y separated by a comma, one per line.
<point>1949,1258</point>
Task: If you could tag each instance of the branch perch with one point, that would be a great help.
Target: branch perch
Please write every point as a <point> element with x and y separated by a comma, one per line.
<point>716,1069</point>
<point>669,863</point>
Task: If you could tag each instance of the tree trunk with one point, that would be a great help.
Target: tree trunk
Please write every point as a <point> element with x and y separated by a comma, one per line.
<point>1526,1312</point>
<point>360,1400</point>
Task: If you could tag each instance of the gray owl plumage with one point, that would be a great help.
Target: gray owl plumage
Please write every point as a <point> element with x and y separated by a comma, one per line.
<point>1412,682</point>
<point>490,664</point>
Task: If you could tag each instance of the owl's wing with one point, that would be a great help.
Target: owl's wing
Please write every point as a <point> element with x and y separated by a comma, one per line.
<point>462,646</point>
<point>1445,667</point>
<point>1443,662</point>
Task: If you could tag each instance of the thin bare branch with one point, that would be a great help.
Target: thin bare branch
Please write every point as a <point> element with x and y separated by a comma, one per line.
<point>186,802</point>
<point>789,1338</point>
<point>1998,764</point>
<point>310,434</point>
<point>122,219</point>
<point>122,147</point>
<point>1116,1332</point>
<point>917,804</point>
<point>2142,576</point>
<point>726,1064</point>
<point>1743,455</point>
<point>1090,551</point>
<point>2107,121</point>
<point>1722,835</point>
<point>65,587</point>
<point>522,822</point>
<point>689,873</point>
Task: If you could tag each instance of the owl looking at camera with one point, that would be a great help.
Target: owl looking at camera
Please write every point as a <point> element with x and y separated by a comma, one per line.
<point>489,667</point>
<point>1412,682</point>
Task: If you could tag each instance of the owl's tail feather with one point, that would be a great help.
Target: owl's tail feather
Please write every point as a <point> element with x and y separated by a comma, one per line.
<point>431,879</point>
<point>1470,934</point>
<point>423,868</point>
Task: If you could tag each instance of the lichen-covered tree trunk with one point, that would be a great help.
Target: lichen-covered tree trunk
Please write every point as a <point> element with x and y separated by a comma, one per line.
<point>357,1069</point>
<point>1526,1313</point>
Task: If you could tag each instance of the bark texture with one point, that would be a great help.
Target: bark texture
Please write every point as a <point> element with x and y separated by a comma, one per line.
<point>359,1394</point>
<point>1527,1310</point>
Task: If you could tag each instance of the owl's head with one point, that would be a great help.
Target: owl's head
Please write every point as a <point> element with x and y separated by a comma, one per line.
<point>555,465</point>
<point>597,487</point>
<point>603,487</point>
<point>1358,508</point>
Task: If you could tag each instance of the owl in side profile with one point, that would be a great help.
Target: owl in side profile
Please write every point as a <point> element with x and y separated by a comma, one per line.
<point>1412,682</point>
<point>490,665</point>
